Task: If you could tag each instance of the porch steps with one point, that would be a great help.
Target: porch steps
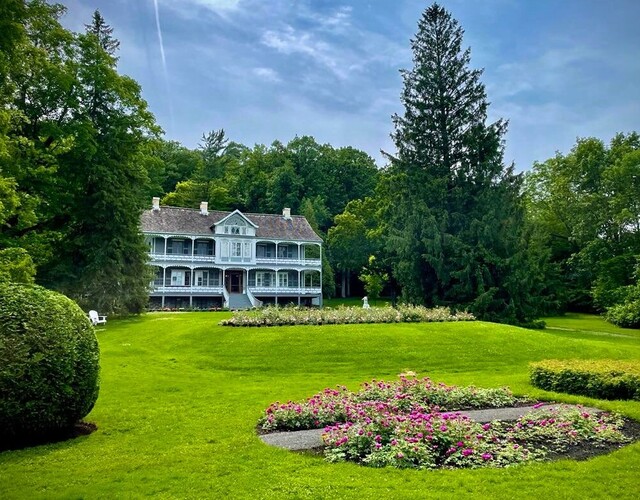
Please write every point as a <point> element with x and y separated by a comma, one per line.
<point>239,301</point>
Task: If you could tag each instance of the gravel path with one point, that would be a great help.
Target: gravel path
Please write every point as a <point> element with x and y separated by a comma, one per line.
<point>309,439</point>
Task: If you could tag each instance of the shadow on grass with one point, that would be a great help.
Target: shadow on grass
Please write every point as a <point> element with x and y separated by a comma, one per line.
<point>78,430</point>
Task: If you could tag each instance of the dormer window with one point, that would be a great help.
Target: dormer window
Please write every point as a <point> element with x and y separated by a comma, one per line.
<point>236,226</point>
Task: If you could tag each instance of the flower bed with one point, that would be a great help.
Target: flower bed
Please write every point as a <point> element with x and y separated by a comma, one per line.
<point>606,379</point>
<point>280,316</point>
<point>432,440</point>
<point>410,423</point>
<point>407,394</point>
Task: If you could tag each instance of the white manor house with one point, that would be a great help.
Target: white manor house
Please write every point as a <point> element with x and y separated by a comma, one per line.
<point>207,259</point>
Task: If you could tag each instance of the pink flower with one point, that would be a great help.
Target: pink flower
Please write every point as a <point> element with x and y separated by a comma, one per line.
<point>460,444</point>
<point>443,428</point>
<point>539,405</point>
<point>487,456</point>
<point>486,427</point>
<point>466,452</point>
<point>400,455</point>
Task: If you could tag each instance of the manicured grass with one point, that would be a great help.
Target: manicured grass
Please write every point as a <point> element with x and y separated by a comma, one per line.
<point>181,396</point>
<point>588,325</point>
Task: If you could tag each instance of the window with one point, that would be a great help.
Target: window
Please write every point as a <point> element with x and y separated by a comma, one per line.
<point>177,278</point>
<point>235,230</point>
<point>202,278</point>
<point>203,248</point>
<point>236,249</point>
<point>285,252</point>
<point>264,251</point>
<point>283,279</point>
<point>177,247</point>
<point>264,278</point>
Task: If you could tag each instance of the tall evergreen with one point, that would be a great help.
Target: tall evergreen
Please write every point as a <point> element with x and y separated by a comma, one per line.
<point>103,264</point>
<point>456,221</point>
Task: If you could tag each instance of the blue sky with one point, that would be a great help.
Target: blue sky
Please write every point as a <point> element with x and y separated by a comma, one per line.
<point>266,70</point>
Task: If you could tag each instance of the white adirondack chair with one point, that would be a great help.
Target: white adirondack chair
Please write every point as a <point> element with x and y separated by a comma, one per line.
<point>96,319</point>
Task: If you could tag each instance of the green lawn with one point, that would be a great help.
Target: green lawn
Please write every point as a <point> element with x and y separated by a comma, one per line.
<point>587,325</point>
<point>181,395</point>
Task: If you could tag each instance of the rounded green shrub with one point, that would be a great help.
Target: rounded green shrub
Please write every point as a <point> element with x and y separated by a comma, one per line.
<point>626,315</point>
<point>49,362</point>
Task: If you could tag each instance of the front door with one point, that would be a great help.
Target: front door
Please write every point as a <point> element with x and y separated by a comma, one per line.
<point>234,281</point>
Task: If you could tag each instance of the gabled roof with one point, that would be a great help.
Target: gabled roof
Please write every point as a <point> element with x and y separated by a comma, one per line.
<point>188,221</point>
<point>234,213</point>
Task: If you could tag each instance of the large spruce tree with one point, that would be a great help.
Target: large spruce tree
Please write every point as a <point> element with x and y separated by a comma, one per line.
<point>456,221</point>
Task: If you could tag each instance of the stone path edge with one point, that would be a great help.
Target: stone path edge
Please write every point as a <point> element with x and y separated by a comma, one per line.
<point>312,438</point>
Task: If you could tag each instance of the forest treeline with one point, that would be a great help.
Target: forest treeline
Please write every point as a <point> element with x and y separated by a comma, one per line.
<point>444,222</point>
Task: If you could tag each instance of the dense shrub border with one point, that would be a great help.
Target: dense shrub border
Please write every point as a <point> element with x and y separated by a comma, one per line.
<point>49,363</point>
<point>286,316</point>
<point>603,379</point>
<point>407,424</point>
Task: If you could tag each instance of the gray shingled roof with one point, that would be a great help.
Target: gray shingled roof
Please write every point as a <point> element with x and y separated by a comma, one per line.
<point>189,221</point>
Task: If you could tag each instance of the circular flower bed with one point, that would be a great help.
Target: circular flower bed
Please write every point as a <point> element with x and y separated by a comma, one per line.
<point>412,423</point>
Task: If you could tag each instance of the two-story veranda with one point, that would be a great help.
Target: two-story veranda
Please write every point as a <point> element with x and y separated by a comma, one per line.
<point>206,259</point>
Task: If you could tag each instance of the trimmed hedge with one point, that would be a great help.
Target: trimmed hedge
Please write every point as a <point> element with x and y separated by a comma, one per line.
<point>49,362</point>
<point>603,379</point>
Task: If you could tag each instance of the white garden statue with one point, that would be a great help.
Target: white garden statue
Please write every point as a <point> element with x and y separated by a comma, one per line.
<point>365,302</point>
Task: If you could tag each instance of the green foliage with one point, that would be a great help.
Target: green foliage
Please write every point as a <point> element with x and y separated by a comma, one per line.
<point>300,175</point>
<point>585,207</point>
<point>16,266</point>
<point>74,160</point>
<point>626,315</point>
<point>455,233</point>
<point>49,359</point>
<point>373,279</point>
<point>604,379</point>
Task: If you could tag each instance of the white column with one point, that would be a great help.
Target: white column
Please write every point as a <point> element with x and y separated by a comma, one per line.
<point>165,245</point>
<point>320,246</point>
<point>299,284</point>
<point>193,247</point>
<point>164,277</point>
<point>299,252</point>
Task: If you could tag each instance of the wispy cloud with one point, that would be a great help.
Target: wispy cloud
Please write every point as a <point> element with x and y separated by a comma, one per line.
<point>267,74</point>
<point>291,41</point>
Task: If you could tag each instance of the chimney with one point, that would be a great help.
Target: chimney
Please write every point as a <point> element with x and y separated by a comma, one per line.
<point>286,213</point>
<point>155,204</point>
<point>204,208</point>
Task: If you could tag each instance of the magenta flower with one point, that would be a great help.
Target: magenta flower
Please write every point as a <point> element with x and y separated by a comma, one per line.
<point>466,452</point>
<point>487,456</point>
